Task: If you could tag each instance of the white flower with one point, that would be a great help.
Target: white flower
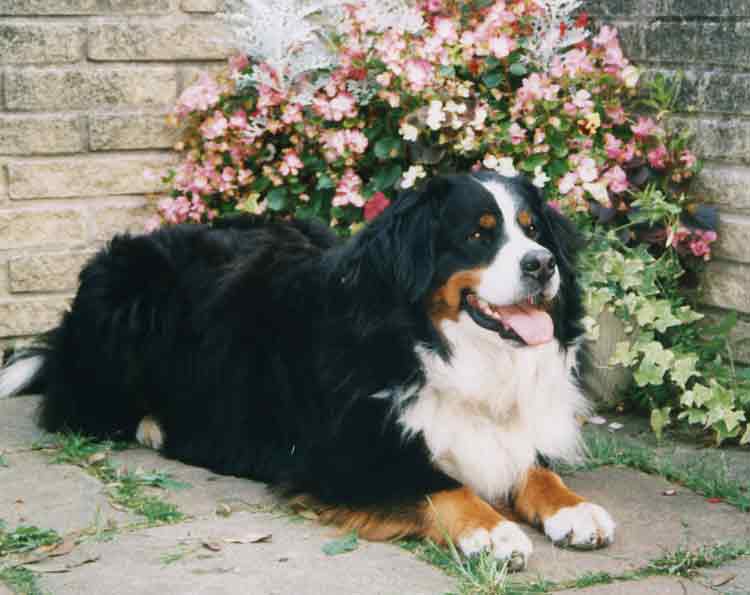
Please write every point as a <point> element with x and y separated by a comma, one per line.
<point>463,90</point>
<point>504,165</point>
<point>598,191</point>
<point>540,178</point>
<point>480,115</point>
<point>630,76</point>
<point>409,132</point>
<point>411,176</point>
<point>435,115</point>
<point>587,170</point>
<point>469,141</point>
<point>455,108</point>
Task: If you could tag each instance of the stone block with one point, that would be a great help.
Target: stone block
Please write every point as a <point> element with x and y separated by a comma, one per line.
<point>19,430</point>
<point>142,6</point>
<point>189,74</point>
<point>46,272</point>
<point>727,285</point>
<point>140,130</point>
<point>163,39</point>
<point>23,134</point>
<point>734,239</point>
<point>713,91</point>
<point>29,317</point>
<point>48,7</point>
<point>688,42</point>
<point>109,221</point>
<point>200,5</point>
<point>722,139</point>
<point>30,43</point>
<point>40,227</point>
<point>86,176</point>
<point>47,89</point>
<point>727,186</point>
<point>670,8</point>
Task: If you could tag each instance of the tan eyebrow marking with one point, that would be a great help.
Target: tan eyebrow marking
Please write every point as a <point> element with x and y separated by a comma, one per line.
<point>488,221</point>
<point>524,218</point>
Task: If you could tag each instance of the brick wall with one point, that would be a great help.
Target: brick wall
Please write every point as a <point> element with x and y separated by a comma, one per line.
<point>85,84</point>
<point>84,89</point>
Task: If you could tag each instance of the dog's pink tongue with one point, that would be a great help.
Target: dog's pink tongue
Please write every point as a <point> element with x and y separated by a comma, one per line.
<point>533,325</point>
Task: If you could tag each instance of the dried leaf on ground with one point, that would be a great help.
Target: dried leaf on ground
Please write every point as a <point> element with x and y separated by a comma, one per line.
<point>250,538</point>
<point>212,545</point>
<point>55,566</point>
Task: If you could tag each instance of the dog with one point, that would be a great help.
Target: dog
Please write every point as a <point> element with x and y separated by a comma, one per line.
<point>409,381</point>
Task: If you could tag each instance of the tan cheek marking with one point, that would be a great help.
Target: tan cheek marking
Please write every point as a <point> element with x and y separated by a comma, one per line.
<point>445,303</point>
<point>488,221</point>
<point>524,218</point>
<point>542,495</point>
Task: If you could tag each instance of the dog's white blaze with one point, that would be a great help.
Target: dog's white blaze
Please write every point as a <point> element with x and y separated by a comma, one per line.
<point>18,375</point>
<point>501,283</point>
<point>487,413</point>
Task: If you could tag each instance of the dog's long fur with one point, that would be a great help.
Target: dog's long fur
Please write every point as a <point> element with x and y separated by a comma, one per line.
<point>345,372</point>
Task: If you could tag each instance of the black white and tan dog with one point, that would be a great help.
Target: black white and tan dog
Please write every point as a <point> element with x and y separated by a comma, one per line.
<point>407,381</point>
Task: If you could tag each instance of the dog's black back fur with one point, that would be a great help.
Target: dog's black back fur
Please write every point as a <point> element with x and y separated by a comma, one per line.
<point>258,345</point>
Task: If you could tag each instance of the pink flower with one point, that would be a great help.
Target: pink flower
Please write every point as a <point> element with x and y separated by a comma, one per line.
<point>291,164</point>
<point>582,100</point>
<point>433,5</point>
<point>347,190</point>
<point>214,126</point>
<point>606,36</point>
<point>614,58</point>
<point>616,114</point>
<point>657,157</point>
<point>700,248</point>
<point>587,170</point>
<point>576,61</point>
<point>445,29</point>
<point>376,205</point>
<point>292,113</point>
<point>616,179</point>
<point>688,159</point>
<point>419,73</point>
<point>613,146</point>
<point>199,97</point>
<point>502,45</point>
<point>516,133</point>
<point>238,120</point>
<point>268,97</point>
<point>238,63</point>
<point>341,106</point>
<point>644,128</point>
<point>567,182</point>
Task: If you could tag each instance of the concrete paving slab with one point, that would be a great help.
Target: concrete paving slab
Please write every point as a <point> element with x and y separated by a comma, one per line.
<point>732,578</point>
<point>291,563</point>
<point>18,427</point>
<point>208,492</point>
<point>648,524</point>
<point>59,497</point>
<point>650,586</point>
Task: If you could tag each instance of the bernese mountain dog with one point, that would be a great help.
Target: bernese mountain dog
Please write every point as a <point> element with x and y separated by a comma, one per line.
<point>411,380</point>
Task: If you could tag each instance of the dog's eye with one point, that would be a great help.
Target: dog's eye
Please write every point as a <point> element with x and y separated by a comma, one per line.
<point>477,235</point>
<point>532,231</point>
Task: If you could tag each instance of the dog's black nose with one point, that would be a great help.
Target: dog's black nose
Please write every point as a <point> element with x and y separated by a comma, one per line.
<point>539,265</point>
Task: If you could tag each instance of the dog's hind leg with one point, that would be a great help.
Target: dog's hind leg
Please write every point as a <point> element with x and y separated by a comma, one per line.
<point>150,433</point>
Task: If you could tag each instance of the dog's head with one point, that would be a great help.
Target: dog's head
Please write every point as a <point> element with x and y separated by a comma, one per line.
<point>485,247</point>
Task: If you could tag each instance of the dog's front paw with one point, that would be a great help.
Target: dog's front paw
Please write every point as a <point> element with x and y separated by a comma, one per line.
<point>507,542</point>
<point>583,526</point>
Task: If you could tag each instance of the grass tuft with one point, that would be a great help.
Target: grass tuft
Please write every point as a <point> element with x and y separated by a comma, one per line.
<point>25,538</point>
<point>20,580</point>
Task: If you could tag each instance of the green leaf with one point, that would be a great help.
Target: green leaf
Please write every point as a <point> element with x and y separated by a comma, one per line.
<point>387,177</point>
<point>448,71</point>
<point>493,78</point>
<point>518,69</point>
<point>348,543</point>
<point>531,163</point>
<point>659,420</point>
<point>656,361</point>
<point>388,148</point>
<point>277,199</point>
<point>325,182</point>
<point>746,436</point>
<point>261,184</point>
<point>557,168</point>
<point>623,355</point>
<point>683,369</point>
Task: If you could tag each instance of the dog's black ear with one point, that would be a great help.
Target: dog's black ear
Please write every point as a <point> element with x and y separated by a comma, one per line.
<point>401,243</point>
<point>568,241</point>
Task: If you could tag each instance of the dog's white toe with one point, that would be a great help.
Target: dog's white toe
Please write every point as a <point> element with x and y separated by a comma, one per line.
<point>149,433</point>
<point>583,526</point>
<point>507,542</point>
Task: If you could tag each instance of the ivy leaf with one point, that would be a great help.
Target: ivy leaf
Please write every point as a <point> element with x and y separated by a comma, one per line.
<point>277,199</point>
<point>348,543</point>
<point>746,436</point>
<point>656,361</point>
<point>683,369</point>
<point>623,355</point>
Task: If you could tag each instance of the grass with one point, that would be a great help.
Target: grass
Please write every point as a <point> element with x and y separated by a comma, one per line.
<point>25,539</point>
<point>20,580</point>
<point>3,461</point>
<point>125,489</point>
<point>706,477</point>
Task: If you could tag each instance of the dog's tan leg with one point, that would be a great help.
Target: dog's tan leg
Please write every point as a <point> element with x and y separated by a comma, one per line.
<point>544,500</point>
<point>149,433</point>
<point>457,515</point>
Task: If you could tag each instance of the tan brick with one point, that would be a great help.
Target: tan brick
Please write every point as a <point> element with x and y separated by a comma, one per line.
<point>26,228</point>
<point>734,238</point>
<point>200,5</point>
<point>22,134</point>
<point>28,317</point>
<point>109,221</point>
<point>86,176</point>
<point>740,338</point>
<point>131,131</point>
<point>43,89</point>
<point>727,285</point>
<point>46,272</point>
<point>162,39</point>
<point>727,186</point>
<point>30,43</point>
<point>189,74</point>
<point>48,7</point>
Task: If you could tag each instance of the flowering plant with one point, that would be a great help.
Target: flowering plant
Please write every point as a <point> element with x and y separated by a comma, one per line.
<point>332,108</point>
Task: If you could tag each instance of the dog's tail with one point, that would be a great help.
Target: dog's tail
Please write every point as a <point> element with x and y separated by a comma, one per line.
<point>25,372</point>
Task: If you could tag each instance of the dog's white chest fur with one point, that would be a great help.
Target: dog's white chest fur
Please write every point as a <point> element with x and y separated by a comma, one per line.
<point>487,413</point>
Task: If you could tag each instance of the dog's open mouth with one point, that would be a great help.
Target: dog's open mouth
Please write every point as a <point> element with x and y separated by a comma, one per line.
<point>528,323</point>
